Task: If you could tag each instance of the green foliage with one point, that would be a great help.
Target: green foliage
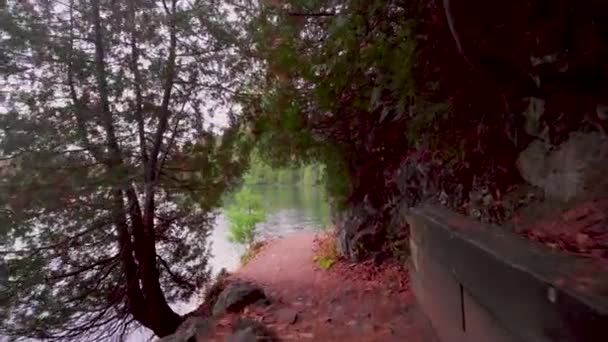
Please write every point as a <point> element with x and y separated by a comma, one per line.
<point>246,211</point>
<point>337,177</point>
<point>325,262</point>
<point>330,79</point>
<point>261,173</point>
<point>220,162</point>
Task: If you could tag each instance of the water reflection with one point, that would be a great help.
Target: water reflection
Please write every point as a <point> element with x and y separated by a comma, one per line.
<point>224,254</point>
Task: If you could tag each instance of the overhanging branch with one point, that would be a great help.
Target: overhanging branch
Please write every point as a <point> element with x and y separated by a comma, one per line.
<point>316,14</point>
<point>102,262</point>
<point>176,277</point>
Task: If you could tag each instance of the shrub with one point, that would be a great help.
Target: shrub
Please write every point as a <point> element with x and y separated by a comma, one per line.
<point>243,215</point>
<point>326,250</point>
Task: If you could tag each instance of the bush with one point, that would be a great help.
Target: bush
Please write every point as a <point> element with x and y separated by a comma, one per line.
<point>243,215</point>
<point>326,250</point>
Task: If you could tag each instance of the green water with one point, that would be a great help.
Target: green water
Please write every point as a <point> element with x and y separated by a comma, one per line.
<point>305,207</point>
<point>309,201</point>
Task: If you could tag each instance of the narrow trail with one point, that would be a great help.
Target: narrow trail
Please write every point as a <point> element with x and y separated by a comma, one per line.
<point>349,302</point>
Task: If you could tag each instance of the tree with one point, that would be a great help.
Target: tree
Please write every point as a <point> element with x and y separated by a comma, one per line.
<point>104,126</point>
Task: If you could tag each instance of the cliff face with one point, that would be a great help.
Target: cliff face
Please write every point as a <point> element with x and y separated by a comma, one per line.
<point>525,91</point>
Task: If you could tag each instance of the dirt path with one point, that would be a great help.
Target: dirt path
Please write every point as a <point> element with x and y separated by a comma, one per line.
<point>346,303</point>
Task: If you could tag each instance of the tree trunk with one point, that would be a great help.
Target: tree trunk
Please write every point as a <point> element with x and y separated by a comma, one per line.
<point>146,301</point>
<point>162,319</point>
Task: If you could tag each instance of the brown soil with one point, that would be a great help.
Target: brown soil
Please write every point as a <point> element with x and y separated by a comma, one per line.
<point>349,302</point>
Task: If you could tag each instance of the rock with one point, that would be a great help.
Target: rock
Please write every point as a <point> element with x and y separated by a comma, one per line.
<point>531,163</point>
<point>192,329</point>
<point>533,124</point>
<point>211,294</point>
<point>306,335</point>
<point>245,335</point>
<point>247,330</point>
<point>359,231</point>
<point>236,297</point>
<point>287,315</point>
<point>379,257</point>
<point>576,167</point>
<point>263,302</point>
<point>376,222</point>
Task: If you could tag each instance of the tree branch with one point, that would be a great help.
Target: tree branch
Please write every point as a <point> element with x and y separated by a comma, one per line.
<point>176,278</point>
<point>115,158</point>
<point>137,83</point>
<point>169,144</point>
<point>317,14</point>
<point>152,167</point>
<point>102,262</point>
<point>80,108</point>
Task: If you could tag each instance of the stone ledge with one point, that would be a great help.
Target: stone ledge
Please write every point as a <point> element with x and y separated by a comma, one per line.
<point>504,287</point>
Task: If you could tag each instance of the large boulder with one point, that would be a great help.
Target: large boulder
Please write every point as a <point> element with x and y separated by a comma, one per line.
<point>236,297</point>
<point>575,168</point>
<point>247,330</point>
<point>360,231</point>
<point>376,225</point>
<point>193,329</point>
<point>243,335</point>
